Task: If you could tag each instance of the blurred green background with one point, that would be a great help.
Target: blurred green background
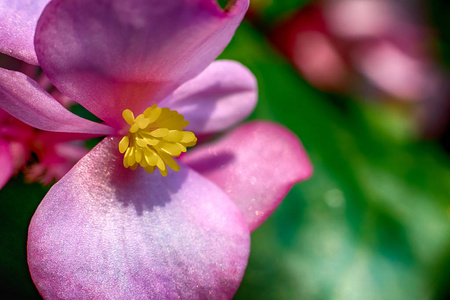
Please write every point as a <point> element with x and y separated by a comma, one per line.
<point>372,222</point>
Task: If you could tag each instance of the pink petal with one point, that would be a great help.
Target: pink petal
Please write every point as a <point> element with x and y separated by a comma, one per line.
<point>362,19</point>
<point>256,165</point>
<point>106,232</point>
<point>6,162</point>
<point>222,95</point>
<point>116,54</point>
<point>18,20</point>
<point>394,71</point>
<point>319,60</point>
<point>24,99</point>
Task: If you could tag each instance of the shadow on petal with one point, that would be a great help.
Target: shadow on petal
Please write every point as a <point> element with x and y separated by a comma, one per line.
<point>125,184</point>
<point>216,161</point>
<point>106,232</point>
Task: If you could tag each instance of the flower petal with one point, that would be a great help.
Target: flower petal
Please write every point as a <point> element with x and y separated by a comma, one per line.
<point>6,163</point>
<point>116,55</point>
<point>24,99</point>
<point>106,232</point>
<point>18,20</point>
<point>256,165</point>
<point>219,97</point>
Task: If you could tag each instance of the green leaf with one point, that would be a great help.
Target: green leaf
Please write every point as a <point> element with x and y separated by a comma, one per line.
<point>273,10</point>
<point>18,201</point>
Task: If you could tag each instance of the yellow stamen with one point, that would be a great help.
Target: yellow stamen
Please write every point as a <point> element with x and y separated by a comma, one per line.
<point>154,138</point>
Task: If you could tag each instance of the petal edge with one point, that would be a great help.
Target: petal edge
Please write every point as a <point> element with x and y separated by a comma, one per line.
<point>256,165</point>
<point>24,99</point>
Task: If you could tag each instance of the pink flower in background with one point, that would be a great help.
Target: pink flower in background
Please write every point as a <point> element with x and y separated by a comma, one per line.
<point>375,49</point>
<point>14,149</point>
<point>43,156</point>
<point>377,39</point>
<point>306,39</point>
<point>56,154</point>
<point>106,231</point>
<point>386,45</point>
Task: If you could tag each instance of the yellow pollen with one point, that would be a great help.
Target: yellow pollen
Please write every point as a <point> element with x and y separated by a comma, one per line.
<point>154,137</point>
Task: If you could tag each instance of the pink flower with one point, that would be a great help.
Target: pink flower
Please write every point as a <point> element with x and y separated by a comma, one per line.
<point>378,42</point>
<point>14,149</point>
<point>42,156</point>
<point>106,231</point>
<point>54,154</point>
<point>374,49</point>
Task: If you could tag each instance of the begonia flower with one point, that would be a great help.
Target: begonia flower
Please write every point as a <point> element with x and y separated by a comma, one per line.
<point>111,232</point>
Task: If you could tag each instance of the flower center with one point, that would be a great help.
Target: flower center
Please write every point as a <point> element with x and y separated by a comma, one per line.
<point>154,138</point>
